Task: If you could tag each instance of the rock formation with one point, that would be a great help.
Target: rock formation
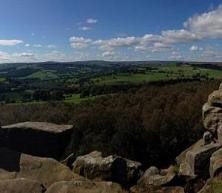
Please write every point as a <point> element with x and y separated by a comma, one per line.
<point>21,185</point>
<point>153,178</point>
<point>36,138</point>
<point>212,115</point>
<point>203,160</point>
<point>85,187</point>
<point>46,171</point>
<point>111,168</point>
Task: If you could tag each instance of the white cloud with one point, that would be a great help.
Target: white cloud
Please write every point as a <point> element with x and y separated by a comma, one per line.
<point>51,46</point>
<point>206,25</point>
<point>91,21</point>
<point>79,42</point>
<point>195,48</point>
<point>27,45</point>
<point>175,56</point>
<point>24,54</point>
<point>179,36</point>
<point>10,42</point>
<point>108,54</point>
<point>85,28</point>
<point>196,28</point>
<point>113,43</point>
<point>37,46</point>
<point>4,56</point>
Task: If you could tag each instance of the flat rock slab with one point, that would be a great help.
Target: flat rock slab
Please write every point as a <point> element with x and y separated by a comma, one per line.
<point>85,187</point>
<point>111,168</point>
<point>37,138</point>
<point>20,186</point>
<point>40,126</point>
<point>46,171</point>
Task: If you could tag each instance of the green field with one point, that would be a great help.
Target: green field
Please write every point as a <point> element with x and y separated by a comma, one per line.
<point>42,75</point>
<point>2,79</point>
<point>170,72</point>
<point>76,99</point>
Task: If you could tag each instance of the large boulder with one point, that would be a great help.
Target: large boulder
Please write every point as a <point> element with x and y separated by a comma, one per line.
<point>46,171</point>
<point>111,168</point>
<point>85,187</point>
<point>154,179</point>
<point>37,138</point>
<point>216,163</point>
<point>20,186</point>
<point>215,98</point>
<point>133,171</point>
<point>169,189</point>
<point>212,186</point>
<point>212,115</point>
<point>181,158</point>
<point>197,161</point>
<point>164,177</point>
<point>173,189</point>
<point>212,118</point>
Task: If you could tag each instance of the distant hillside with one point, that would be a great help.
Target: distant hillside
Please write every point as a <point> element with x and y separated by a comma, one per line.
<point>74,81</point>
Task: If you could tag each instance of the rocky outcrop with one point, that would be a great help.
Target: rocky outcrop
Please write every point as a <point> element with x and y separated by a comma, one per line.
<point>133,171</point>
<point>212,115</point>
<point>111,168</point>
<point>212,186</point>
<point>181,159</point>
<point>46,171</point>
<point>154,179</point>
<point>204,159</point>
<point>197,161</point>
<point>169,189</point>
<point>21,186</point>
<point>216,164</point>
<point>85,187</point>
<point>37,138</point>
<point>198,168</point>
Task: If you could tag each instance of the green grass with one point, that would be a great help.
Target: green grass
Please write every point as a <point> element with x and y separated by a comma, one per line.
<point>130,78</point>
<point>43,75</point>
<point>70,99</point>
<point>168,72</point>
<point>2,79</point>
<point>217,74</point>
<point>76,99</point>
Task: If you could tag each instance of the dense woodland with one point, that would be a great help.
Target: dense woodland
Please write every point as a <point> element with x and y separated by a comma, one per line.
<point>151,124</point>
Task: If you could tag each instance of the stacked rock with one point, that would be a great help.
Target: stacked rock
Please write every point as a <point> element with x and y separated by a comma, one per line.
<point>212,117</point>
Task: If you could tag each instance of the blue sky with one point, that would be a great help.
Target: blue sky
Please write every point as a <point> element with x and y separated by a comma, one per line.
<point>70,30</point>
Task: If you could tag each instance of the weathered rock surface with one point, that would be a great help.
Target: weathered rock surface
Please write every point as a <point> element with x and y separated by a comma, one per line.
<point>85,187</point>
<point>133,171</point>
<point>155,180</point>
<point>37,138</point>
<point>215,98</point>
<point>46,171</point>
<point>181,159</point>
<point>152,171</point>
<point>212,118</point>
<point>170,189</point>
<point>162,178</point>
<point>212,186</point>
<point>197,161</point>
<point>212,114</point>
<point>216,163</point>
<point>20,186</point>
<point>111,168</point>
